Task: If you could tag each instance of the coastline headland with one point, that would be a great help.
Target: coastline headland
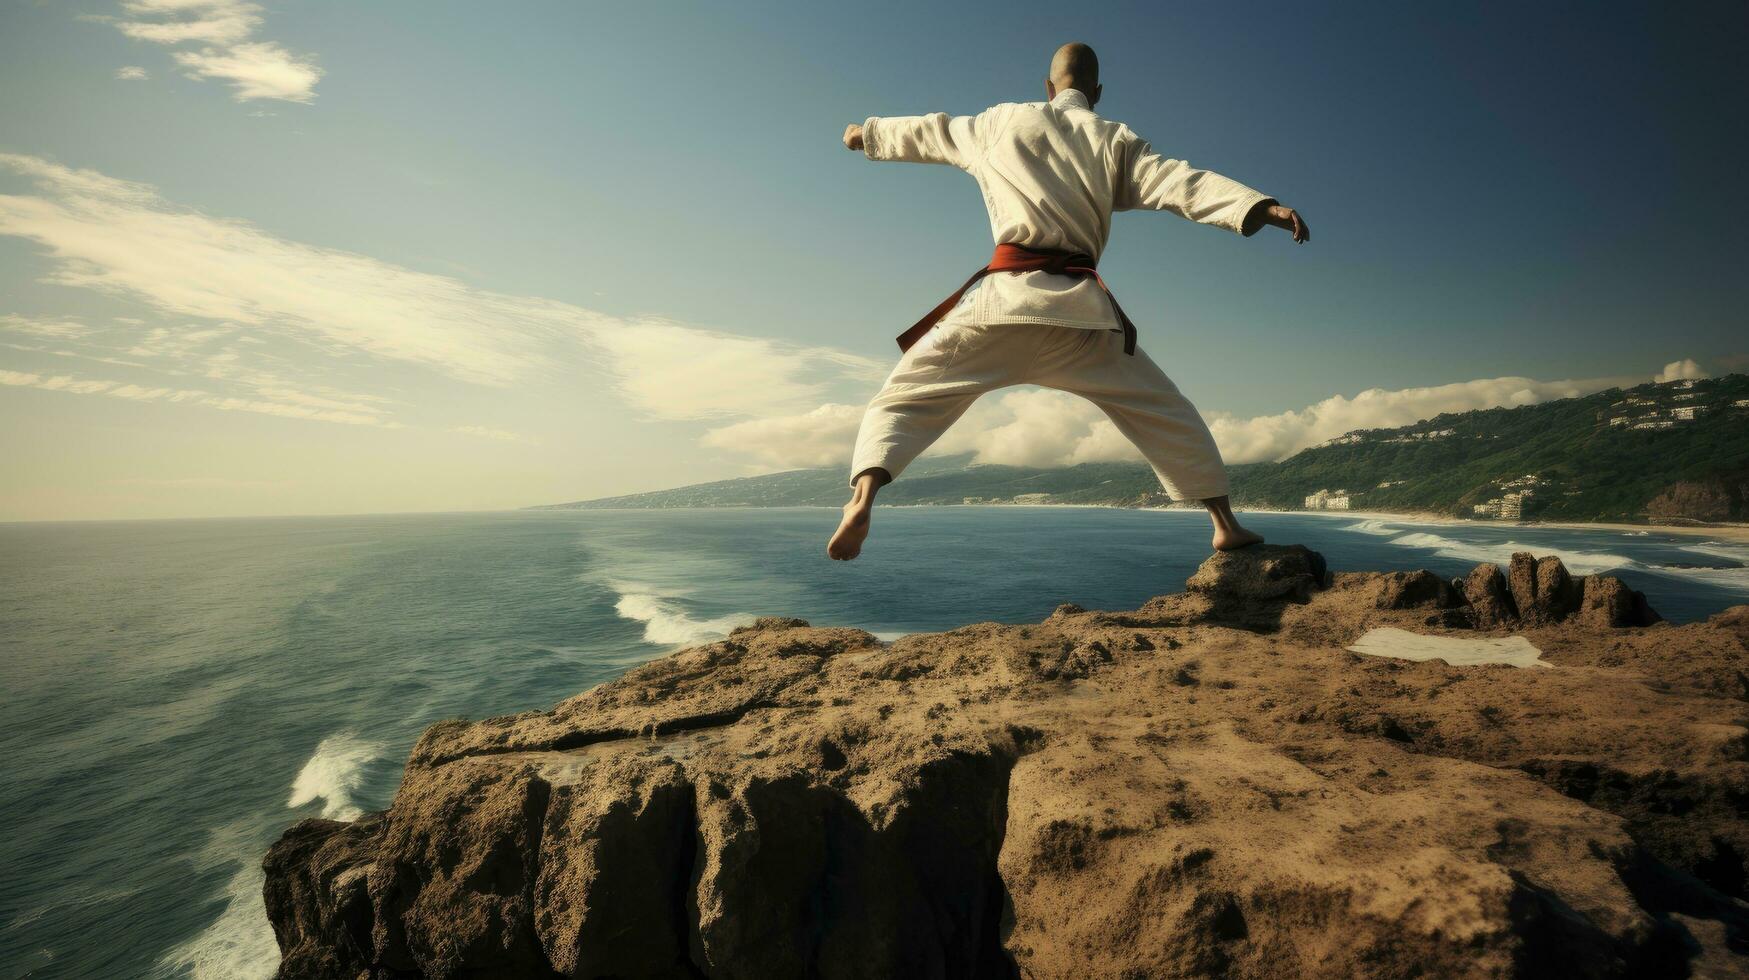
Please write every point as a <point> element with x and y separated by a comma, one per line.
<point>1215,783</point>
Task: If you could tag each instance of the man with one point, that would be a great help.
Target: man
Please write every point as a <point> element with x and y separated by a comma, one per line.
<point>1052,173</point>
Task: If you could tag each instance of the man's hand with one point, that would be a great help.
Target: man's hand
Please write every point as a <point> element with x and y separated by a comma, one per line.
<point>853,137</point>
<point>1279,216</point>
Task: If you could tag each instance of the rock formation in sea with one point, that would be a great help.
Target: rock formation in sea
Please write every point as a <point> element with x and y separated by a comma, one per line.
<point>1210,785</point>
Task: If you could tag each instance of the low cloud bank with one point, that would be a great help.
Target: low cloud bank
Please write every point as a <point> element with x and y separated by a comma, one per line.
<point>1271,437</point>
<point>1036,427</point>
<point>821,437</point>
<point>1683,370</point>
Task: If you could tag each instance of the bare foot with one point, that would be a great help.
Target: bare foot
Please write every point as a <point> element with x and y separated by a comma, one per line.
<point>847,541</point>
<point>1235,537</point>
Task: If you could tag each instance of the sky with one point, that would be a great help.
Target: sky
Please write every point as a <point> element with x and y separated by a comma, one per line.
<point>330,257</point>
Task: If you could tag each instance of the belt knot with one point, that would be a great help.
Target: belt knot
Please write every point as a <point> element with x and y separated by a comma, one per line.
<point>1019,258</point>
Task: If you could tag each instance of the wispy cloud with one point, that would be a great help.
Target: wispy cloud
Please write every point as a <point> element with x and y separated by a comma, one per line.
<point>231,288</point>
<point>55,328</point>
<point>218,353</point>
<point>178,343</point>
<point>73,385</point>
<point>120,238</point>
<point>258,70</point>
<point>669,371</point>
<point>240,289</point>
<point>131,73</point>
<point>179,21</point>
<point>229,52</point>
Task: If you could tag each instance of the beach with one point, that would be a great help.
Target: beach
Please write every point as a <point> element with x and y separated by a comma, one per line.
<point>1717,532</point>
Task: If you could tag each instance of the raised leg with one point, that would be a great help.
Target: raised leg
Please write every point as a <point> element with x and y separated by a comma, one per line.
<point>847,541</point>
<point>1229,533</point>
<point>932,386</point>
<point>898,426</point>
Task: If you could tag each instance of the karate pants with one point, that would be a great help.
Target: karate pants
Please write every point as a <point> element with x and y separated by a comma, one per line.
<point>944,372</point>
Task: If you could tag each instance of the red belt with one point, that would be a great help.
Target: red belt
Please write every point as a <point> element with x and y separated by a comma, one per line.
<point>1019,258</point>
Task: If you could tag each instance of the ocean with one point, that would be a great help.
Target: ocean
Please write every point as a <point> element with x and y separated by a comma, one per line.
<point>176,693</point>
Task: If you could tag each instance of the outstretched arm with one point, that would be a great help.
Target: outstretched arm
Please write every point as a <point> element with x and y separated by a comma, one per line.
<point>1153,182</point>
<point>935,138</point>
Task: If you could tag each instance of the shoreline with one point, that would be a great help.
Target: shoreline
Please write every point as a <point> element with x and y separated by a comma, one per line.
<point>1722,532</point>
<point>1736,533</point>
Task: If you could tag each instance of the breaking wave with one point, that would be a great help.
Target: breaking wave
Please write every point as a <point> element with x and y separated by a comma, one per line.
<point>1735,579</point>
<point>667,624</point>
<point>239,945</point>
<point>1373,526</point>
<point>333,773</point>
<point>1577,562</point>
<point>1720,549</point>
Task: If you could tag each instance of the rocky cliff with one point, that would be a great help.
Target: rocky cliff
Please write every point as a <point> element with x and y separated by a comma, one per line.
<point>1210,785</point>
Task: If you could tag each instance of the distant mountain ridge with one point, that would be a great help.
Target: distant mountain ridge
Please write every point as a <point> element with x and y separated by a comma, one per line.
<point>1675,450</point>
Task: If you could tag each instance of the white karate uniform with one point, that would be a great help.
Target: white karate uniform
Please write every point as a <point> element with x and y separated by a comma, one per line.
<point>1051,174</point>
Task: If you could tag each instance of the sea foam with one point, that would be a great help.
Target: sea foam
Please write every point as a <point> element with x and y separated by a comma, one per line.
<point>1721,549</point>
<point>1731,579</point>
<point>333,773</point>
<point>239,945</point>
<point>1577,562</point>
<point>1591,562</point>
<point>665,623</point>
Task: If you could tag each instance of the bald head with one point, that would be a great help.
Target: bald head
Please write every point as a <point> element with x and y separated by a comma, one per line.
<point>1074,66</point>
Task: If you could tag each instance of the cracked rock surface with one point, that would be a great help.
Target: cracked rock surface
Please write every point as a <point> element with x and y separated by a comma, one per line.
<point>1210,785</point>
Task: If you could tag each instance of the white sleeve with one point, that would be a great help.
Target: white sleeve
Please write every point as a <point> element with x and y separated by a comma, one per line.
<point>934,138</point>
<point>1151,182</point>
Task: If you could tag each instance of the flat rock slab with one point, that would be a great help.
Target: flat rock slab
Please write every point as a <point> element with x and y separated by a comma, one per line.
<point>1458,651</point>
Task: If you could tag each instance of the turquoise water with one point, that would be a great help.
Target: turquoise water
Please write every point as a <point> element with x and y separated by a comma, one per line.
<point>175,693</point>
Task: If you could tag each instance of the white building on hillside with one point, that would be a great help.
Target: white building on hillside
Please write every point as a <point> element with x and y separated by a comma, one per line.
<point>1506,507</point>
<point>1328,500</point>
<point>1512,506</point>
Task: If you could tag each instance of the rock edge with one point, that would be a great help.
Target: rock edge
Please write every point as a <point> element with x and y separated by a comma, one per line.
<point>1208,785</point>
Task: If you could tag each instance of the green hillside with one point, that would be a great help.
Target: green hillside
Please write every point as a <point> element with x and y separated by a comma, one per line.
<point>1603,457</point>
<point>1673,451</point>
